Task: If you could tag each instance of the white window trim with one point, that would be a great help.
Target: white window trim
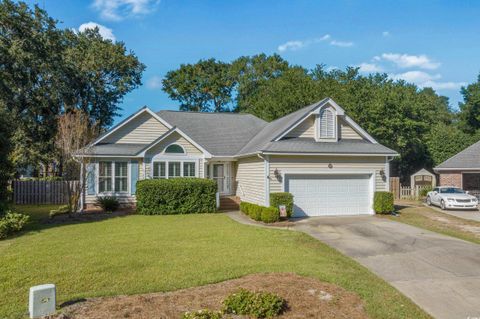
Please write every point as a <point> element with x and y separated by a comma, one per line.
<point>113,192</point>
<point>174,154</point>
<point>167,160</point>
<point>318,138</point>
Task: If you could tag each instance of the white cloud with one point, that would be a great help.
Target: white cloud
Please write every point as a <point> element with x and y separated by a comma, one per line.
<point>343,44</point>
<point>385,34</point>
<point>295,45</point>
<point>155,82</point>
<point>370,67</point>
<point>105,32</point>
<point>332,68</point>
<point>409,61</point>
<point>116,10</point>
<point>291,45</point>
<point>424,79</point>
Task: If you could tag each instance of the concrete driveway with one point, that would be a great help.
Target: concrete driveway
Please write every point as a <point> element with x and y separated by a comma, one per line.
<point>439,273</point>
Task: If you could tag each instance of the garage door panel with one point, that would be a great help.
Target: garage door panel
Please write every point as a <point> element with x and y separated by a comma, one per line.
<point>326,195</point>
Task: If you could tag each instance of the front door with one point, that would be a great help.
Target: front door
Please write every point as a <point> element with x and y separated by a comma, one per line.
<point>220,173</point>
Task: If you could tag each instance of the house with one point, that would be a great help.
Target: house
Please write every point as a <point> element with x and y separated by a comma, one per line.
<point>318,153</point>
<point>462,170</point>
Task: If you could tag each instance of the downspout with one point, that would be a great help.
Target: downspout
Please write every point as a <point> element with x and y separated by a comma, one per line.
<point>266,162</point>
<point>388,159</point>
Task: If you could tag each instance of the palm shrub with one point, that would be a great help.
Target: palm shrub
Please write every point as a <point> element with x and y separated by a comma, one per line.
<point>282,198</point>
<point>107,203</point>
<point>176,196</point>
<point>383,202</point>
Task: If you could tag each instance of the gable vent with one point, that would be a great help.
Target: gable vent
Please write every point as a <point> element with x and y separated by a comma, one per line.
<point>327,124</point>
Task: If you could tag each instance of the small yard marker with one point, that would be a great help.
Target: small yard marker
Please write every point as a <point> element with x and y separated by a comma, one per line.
<point>42,300</point>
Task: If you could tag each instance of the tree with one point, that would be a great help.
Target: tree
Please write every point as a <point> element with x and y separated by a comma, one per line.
<point>74,134</point>
<point>444,141</point>
<point>45,70</point>
<point>6,169</point>
<point>470,107</point>
<point>205,86</point>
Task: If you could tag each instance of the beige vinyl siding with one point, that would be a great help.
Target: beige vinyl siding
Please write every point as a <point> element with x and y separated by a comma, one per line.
<point>347,132</point>
<point>304,129</point>
<point>174,138</point>
<point>143,129</point>
<point>311,163</point>
<point>250,181</point>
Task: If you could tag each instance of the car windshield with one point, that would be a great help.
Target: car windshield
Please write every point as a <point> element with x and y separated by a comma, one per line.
<point>451,190</point>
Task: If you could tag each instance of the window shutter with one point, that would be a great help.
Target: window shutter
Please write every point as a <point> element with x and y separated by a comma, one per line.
<point>133,176</point>
<point>90,171</point>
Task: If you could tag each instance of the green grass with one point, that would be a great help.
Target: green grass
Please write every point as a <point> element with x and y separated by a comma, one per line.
<point>427,218</point>
<point>140,254</point>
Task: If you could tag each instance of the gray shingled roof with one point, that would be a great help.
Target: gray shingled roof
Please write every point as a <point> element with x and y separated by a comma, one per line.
<point>118,149</point>
<point>275,128</point>
<point>309,145</point>
<point>219,133</point>
<point>468,158</point>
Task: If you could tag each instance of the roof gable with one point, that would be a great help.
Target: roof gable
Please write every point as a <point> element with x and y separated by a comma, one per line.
<point>469,158</point>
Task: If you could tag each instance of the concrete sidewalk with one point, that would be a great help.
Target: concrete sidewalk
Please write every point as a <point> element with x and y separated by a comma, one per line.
<point>439,273</point>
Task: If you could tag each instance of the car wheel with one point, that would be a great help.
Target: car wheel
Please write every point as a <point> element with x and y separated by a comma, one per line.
<point>429,201</point>
<point>442,205</point>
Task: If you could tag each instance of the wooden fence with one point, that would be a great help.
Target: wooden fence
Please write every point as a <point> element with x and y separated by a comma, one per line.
<point>405,192</point>
<point>41,192</point>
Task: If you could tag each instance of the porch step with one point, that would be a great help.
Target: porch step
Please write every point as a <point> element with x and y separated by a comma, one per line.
<point>229,203</point>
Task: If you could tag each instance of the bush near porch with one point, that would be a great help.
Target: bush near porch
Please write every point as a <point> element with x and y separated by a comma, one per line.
<point>176,196</point>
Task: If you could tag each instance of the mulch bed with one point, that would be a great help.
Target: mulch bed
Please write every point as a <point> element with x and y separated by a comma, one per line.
<point>86,216</point>
<point>306,298</point>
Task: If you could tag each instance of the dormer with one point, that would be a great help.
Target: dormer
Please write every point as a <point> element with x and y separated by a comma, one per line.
<point>327,122</point>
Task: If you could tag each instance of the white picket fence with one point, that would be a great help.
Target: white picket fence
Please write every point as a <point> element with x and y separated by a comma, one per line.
<point>41,192</point>
<point>407,192</point>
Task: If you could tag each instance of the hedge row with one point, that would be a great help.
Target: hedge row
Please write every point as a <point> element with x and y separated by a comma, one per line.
<point>176,196</point>
<point>260,213</point>
<point>282,198</point>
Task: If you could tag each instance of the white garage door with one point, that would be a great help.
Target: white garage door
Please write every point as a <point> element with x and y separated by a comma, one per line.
<point>329,195</point>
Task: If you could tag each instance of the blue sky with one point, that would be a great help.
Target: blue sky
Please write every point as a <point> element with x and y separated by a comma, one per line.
<point>430,43</point>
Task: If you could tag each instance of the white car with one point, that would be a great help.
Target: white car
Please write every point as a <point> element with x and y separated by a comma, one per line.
<point>451,197</point>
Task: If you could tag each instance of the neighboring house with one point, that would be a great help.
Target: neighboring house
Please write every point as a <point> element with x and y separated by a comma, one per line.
<point>319,154</point>
<point>462,170</point>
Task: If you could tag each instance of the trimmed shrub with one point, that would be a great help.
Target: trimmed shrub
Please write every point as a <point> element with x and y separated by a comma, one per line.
<point>203,314</point>
<point>176,196</point>
<point>424,191</point>
<point>383,202</point>
<point>60,211</point>
<point>12,223</point>
<point>270,215</point>
<point>260,213</point>
<point>107,203</point>
<point>282,198</point>
<point>255,304</point>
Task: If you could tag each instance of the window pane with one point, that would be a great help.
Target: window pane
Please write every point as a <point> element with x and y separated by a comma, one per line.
<point>189,169</point>
<point>174,169</point>
<point>105,184</point>
<point>159,170</point>
<point>105,177</point>
<point>121,176</point>
<point>105,169</point>
<point>121,169</point>
<point>174,148</point>
<point>121,184</point>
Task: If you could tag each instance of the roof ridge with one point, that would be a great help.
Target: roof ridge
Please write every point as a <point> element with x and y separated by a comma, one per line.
<point>207,113</point>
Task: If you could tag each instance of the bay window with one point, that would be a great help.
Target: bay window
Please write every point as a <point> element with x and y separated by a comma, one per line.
<point>174,168</point>
<point>189,169</point>
<point>159,170</point>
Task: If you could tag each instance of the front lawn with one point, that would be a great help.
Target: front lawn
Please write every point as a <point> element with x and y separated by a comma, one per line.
<point>139,254</point>
<point>417,215</point>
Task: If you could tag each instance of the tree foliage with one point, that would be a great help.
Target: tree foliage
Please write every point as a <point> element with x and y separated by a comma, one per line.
<point>470,108</point>
<point>205,86</point>
<point>46,70</point>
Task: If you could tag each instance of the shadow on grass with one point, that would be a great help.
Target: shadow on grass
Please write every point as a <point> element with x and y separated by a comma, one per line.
<point>40,220</point>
